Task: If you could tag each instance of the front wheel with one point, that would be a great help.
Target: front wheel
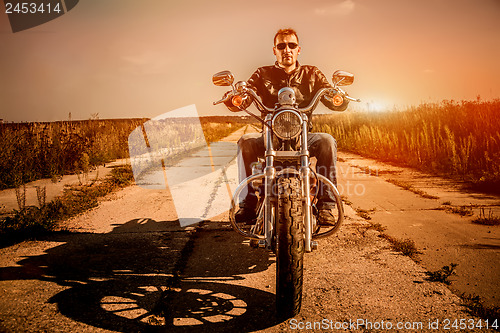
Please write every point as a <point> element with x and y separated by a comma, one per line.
<point>290,248</point>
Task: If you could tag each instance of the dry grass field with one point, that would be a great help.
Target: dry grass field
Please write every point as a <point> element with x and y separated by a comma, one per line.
<point>457,139</point>
<point>30,151</point>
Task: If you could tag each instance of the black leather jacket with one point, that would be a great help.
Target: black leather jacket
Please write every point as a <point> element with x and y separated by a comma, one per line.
<point>305,80</point>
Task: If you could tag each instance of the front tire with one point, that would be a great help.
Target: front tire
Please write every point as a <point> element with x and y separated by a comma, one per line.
<point>290,248</point>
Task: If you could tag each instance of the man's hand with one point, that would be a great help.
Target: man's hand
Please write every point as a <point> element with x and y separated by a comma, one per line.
<point>331,93</point>
<point>228,97</point>
<point>335,100</point>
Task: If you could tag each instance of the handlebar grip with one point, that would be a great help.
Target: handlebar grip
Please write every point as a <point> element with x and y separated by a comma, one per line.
<point>352,99</point>
<point>227,96</point>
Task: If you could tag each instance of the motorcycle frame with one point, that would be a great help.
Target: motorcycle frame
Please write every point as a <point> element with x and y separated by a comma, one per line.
<point>269,176</point>
<point>267,214</point>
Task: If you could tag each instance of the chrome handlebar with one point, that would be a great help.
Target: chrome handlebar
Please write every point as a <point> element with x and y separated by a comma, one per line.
<point>312,105</point>
<point>352,99</point>
<point>224,99</point>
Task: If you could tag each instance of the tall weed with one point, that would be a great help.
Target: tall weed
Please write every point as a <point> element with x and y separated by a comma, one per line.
<point>459,139</point>
<point>30,151</point>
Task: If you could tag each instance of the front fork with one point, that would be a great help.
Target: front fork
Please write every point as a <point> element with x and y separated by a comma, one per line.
<point>266,241</point>
<point>270,175</point>
<point>306,187</point>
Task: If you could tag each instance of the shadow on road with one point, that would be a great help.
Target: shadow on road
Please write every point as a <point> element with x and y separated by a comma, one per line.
<point>133,279</point>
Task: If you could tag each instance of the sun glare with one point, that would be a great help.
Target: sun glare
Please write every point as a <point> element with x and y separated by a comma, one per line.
<point>375,106</point>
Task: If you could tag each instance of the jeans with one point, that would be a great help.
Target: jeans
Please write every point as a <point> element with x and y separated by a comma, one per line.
<point>321,145</point>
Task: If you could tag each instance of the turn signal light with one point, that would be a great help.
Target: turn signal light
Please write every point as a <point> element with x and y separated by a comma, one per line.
<point>338,100</point>
<point>237,100</point>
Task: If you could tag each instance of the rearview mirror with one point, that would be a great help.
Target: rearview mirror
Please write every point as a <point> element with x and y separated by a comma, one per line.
<point>224,78</point>
<point>342,78</point>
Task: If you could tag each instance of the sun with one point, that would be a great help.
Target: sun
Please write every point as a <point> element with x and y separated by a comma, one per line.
<point>373,106</point>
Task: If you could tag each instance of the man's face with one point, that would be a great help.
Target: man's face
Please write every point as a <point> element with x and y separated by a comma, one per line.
<point>287,56</point>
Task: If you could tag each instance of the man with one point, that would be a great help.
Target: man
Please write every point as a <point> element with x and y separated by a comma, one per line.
<point>306,81</point>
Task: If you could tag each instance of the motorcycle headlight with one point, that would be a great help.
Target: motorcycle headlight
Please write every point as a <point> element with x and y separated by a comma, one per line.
<point>287,124</point>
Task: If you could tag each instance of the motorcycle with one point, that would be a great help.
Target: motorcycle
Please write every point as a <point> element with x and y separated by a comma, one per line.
<point>285,183</point>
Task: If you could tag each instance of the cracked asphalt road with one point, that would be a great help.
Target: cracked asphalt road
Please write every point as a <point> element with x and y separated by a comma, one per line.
<point>442,237</point>
<point>128,266</point>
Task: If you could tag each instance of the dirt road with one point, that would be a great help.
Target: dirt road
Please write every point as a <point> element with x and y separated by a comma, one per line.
<point>436,214</point>
<point>128,266</point>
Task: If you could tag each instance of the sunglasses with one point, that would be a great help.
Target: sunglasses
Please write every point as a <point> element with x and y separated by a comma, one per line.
<point>282,46</point>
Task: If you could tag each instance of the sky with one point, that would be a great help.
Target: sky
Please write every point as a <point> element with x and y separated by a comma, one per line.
<point>129,58</point>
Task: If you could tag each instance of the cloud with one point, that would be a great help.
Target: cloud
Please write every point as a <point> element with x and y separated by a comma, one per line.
<point>339,9</point>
